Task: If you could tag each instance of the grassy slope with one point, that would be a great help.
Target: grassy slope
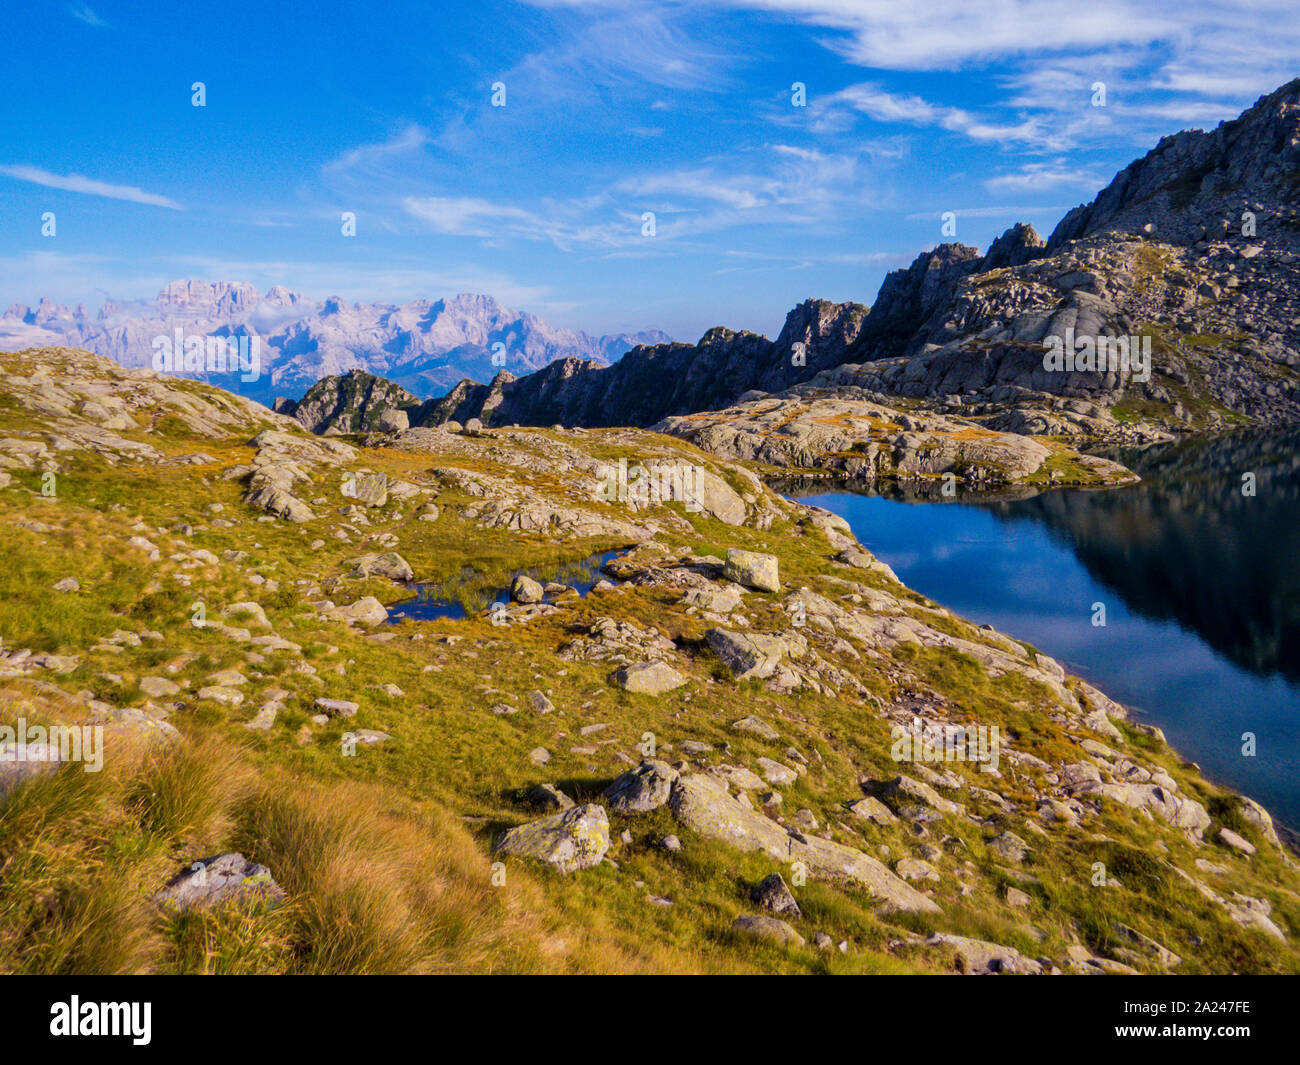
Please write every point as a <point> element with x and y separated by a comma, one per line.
<point>385,855</point>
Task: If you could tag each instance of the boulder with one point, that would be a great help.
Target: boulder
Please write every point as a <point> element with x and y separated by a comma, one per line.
<point>649,678</point>
<point>365,611</point>
<point>20,762</point>
<point>642,789</point>
<point>979,957</point>
<point>752,569</point>
<point>772,894</point>
<point>1231,839</point>
<point>703,804</point>
<point>394,421</point>
<point>775,773</point>
<point>248,613</point>
<point>549,797</point>
<point>368,488</point>
<point>748,655</point>
<point>756,727</point>
<point>768,928</point>
<point>873,810</point>
<point>523,589</point>
<point>212,881</point>
<point>573,839</point>
<point>385,564</point>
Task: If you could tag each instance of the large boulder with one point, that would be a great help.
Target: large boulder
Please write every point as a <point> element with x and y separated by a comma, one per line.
<point>748,655</point>
<point>573,839</point>
<point>649,678</point>
<point>752,569</point>
<point>642,789</point>
<point>523,589</point>
<point>703,804</point>
<point>385,564</point>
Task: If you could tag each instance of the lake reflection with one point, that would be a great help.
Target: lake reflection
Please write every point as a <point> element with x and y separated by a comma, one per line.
<point>1201,585</point>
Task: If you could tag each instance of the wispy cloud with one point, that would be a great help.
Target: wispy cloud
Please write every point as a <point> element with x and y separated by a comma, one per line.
<point>878,104</point>
<point>369,157</point>
<point>88,186</point>
<point>84,13</point>
<point>1039,177</point>
<point>989,212</point>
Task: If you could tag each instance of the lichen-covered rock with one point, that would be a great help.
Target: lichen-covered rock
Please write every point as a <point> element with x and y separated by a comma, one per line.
<point>227,878</point>
<point>642,789</point>
<point>649,678</point>
<point>752,569</point>
<point>567,841</point>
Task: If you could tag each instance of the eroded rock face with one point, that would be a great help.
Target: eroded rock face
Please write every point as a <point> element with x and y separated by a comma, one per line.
<point>573,839</point>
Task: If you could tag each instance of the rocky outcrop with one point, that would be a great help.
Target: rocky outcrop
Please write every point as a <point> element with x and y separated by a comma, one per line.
<point>355,402</point>
<point>1196,184</point>
<point>651,383</point>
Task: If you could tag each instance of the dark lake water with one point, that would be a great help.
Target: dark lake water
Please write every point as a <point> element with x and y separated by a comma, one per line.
<point>1201,585</point>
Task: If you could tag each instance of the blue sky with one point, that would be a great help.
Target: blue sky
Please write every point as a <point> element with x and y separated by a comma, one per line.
<point>611,110</point>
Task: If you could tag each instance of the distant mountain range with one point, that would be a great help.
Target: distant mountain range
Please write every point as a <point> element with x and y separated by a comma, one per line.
<point>425,346</point>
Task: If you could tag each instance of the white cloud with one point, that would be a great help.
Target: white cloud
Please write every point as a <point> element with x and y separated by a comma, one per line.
<point>86,15</point>
<point>368,157</point>
<point>89,186</point>
<point>465,216</point>
<point>1039,177</point>
<point>876,103</point>
<point>987,212</point>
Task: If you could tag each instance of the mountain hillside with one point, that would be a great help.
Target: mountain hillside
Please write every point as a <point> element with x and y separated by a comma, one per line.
<point>466,700</point>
